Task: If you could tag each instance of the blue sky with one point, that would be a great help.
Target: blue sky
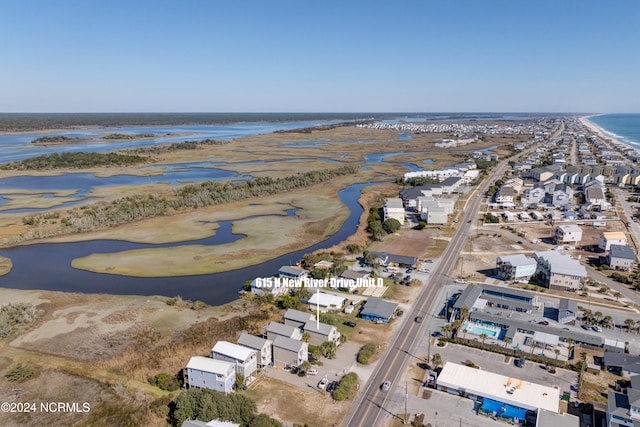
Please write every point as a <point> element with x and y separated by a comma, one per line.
<point>319,56</point>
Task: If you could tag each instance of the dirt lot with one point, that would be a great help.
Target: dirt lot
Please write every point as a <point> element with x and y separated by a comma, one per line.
<point>415,243</point>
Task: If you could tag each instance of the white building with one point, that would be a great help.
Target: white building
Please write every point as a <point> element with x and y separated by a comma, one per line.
<point>204,372</point>
<point>394,209</point>
<point>568,234</point>
<point>326,302</point>
<point>458,379</point>
<point>611,238</point>
<point>245,359</point>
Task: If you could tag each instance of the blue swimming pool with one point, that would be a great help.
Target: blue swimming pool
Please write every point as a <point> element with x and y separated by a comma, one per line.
<point>503,410</point>
<point>475,329</point>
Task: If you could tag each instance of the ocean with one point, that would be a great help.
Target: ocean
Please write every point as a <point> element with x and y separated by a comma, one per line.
<point>623,127</point>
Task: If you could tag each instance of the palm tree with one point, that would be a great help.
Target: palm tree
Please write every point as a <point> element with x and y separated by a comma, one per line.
<point>617,295</point>
<point>629,323</point>
<point>447,330</point>
<point>556,350</point>
<point>436,360</point>
<point>507,341</point>
<point>533,346</point>
<point>464,313</point>
<point>607,322</point>
<point>484,337</point>
<point>598,316</point>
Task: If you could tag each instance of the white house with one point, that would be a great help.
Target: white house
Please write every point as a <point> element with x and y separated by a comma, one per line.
<point>205,372</point>
<point>394,209</point>
<point>568,234</point>
<point>245,359</point>
<point>326,302</point>
<point>611,238</point>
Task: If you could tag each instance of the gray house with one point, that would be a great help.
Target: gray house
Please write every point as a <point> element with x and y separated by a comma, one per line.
<point>321,332</point>
<point>567,310</point>
<point>288,352</point>
<point>275,329</point>
<point>297,318</point>
<point>205,372</point>
<point>260,345</point>
<point>621,257</point>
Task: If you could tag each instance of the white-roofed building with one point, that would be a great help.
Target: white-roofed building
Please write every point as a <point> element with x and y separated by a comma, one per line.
<point>459,379</point>
<point>394,208</point>
<point>326,302</point>
<point>611,238</point>
<point>205,372</point>
<point>516,267</point>
<point>244,358</point>
<point>568,234</point>
<point>559,271</point>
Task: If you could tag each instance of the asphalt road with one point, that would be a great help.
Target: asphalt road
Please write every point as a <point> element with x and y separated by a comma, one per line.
<point>370,404</point>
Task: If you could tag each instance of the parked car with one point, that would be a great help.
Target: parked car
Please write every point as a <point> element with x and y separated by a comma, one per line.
<point>461,281</point>
<point>323,383</point>
<point>409,270</point>
<point>544,323</point>
<point>386,385</point>
<point>586,327</point>
<point>597,328</point>
<point>349,323</point>
<point>400,313</point>
<point>519,362</point>
<point>428,260</point>
<point>469,222</point>
<point>332,386</point>
<point>312,371</point>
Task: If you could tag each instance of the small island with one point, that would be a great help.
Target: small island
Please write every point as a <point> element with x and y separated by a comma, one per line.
<point>57,140</point>
<point>125,136</point>
<point>5,265</point>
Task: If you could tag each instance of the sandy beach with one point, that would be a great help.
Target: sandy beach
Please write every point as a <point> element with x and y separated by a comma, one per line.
<point>600,132</point>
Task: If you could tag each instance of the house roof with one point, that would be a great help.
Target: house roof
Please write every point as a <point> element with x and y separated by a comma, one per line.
<point>562,263</point>
<point>502,388</point>
<point>611,235</point>
<point>252,341</point>
<point>232,350</point>
<point>398,259</point>
<point>298,316</point>
<point>294,271</point>
<point>551,419</point>
<point>326,300</point>
<point>595,192</point>
<point>352,274</point>
<point>394,203</point>
<point>622,251</point>
<point>288,343</point>
<point>570,228</point>
<point>207,364</point>
<point>628,362</point>
<point>378,307</point>
<point>281,329</point>
<point>517,260</point>
<point>568,304</point>
<point>318,328</point>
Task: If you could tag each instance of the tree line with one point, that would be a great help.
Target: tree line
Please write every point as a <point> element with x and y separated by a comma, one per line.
<point>74,160</point>
<point>208,193</point>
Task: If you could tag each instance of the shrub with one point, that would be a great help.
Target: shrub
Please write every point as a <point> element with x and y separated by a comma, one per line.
<point>165,381</point>
<point>343,391</point>
<point>366,352</point>
<point>20,372</point>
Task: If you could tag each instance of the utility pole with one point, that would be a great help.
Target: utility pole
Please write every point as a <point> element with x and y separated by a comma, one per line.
<point>406,399</point>
<point>429,348</point>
